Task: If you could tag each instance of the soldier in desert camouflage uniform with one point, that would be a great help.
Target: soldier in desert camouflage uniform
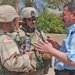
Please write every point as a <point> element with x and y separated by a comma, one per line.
<point>29,32</point>
<point>13,60</point>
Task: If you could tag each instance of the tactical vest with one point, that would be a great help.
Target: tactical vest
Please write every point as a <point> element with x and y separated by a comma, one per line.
<point>33,35</point>
<point>3,70</point>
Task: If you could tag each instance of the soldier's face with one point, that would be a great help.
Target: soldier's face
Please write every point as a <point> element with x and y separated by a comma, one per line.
<point>7,27</point>
<point>31,22</point>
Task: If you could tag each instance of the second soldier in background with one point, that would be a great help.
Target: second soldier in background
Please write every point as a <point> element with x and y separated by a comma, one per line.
<point>29,34</point>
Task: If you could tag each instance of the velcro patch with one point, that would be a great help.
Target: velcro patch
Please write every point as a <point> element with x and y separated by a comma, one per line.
<point>7,40</point>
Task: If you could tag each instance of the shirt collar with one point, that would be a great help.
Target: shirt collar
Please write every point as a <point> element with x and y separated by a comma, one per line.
<point>70,29</point>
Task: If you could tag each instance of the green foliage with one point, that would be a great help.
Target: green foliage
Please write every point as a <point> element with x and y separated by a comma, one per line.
<point>54,4</point>
<point>9,2</point>
<point>50,23</point>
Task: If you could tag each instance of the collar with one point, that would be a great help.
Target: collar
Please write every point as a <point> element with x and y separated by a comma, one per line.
<point>28,29</point>
<point>70,29</point>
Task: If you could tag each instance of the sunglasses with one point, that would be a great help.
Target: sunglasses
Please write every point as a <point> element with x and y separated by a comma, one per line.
<point>32,19</point>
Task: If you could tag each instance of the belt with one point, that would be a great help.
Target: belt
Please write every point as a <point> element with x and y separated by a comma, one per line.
<point>64,72</point>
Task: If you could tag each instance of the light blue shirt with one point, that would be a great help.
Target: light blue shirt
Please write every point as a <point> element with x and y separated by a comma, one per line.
<point>68,47</point>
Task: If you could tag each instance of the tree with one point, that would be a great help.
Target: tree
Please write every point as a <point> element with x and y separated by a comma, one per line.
<point>27,3</point>
<point>54,4</point>
<point>9,2</point>
<point>50,23</point>
<point>39,5</point>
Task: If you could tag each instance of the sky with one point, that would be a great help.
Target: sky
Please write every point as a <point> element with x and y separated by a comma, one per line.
<point>21,5</point>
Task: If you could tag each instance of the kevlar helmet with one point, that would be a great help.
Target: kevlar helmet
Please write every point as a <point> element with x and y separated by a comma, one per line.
<point>7,13</point>
<point>29,12</point>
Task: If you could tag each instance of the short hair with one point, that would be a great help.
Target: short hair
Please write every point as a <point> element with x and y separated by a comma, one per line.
<point>71,6</point>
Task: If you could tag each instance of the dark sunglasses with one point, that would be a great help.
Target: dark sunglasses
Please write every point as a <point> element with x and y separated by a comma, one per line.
<point>32,19</point>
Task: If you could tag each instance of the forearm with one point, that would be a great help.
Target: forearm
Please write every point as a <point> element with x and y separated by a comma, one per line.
<point>62,57</point>
<point>21,64</point>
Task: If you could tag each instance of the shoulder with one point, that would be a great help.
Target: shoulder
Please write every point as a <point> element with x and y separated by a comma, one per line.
<point>2,35</point>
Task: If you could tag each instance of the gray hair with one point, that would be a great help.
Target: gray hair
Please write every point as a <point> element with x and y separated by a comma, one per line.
<point>71,6</point>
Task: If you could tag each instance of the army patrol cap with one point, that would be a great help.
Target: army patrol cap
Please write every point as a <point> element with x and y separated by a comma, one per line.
<point>7,13</point>
<point>29,12</point>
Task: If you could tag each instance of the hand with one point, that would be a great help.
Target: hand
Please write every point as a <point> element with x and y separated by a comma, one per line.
<point>45,47</point>
<point>23,46</point>
<point>54,43</point>
<point>29,54</point>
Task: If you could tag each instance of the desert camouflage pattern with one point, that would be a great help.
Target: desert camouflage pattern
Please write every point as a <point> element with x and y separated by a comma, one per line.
<point>34,62</point>
<point>11,57</point>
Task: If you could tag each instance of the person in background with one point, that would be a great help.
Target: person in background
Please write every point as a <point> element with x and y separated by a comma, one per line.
<point>12,60</point>
<point>64,54</point>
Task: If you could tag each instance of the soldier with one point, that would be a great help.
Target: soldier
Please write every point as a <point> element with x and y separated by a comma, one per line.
<point>13,60</point>
<point>29,34</point>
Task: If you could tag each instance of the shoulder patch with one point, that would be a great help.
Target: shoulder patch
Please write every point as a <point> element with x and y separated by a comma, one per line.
<point>7,40</point>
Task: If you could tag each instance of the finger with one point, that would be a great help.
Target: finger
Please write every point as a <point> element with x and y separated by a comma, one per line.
<point>40,50</point>
<point>40,42</point>
<point>37,45</point>
<point>49,40</point>
<point>46,42</point>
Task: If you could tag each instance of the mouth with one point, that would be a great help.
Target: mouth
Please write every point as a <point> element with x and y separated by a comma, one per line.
<point>63,21</point>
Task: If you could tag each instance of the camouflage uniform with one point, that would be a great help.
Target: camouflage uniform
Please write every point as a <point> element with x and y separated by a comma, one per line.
<point>37,61</point>
<point>34,35</point>
<point>13,61</point>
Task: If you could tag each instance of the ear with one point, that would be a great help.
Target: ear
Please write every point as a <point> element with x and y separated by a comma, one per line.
<point>23,19</point>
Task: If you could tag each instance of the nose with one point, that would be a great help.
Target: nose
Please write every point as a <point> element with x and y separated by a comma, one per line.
<point>34,21</point>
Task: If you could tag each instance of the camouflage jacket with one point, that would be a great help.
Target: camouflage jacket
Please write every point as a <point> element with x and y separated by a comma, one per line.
<point>11,59</point>
<point>34,36</point>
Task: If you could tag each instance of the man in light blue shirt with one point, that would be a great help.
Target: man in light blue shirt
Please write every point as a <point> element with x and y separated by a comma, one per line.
<point>64,54</point>
<point>68,47</point>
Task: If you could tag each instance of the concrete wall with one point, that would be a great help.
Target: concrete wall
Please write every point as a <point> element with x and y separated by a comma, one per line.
<point>57,37</point>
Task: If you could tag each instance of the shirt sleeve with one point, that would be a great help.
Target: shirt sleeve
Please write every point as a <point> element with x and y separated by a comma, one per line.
<point>71,48</point>
<point>11,58</point>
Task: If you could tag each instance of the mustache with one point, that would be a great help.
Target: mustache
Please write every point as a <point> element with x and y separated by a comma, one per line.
<point>63,20</point>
